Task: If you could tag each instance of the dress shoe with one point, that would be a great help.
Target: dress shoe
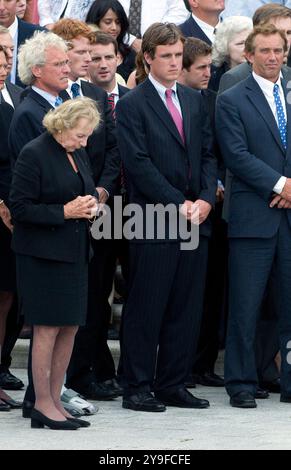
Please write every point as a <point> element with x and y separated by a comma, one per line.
<point>81,422</point>
<point>27,407</point>
<point>273,386</point>
<point>9,381</point>
<point>181,398</point>
<point>115,386</point>
<point>210,379</point>
<point>39,420</point>
<point>97,391</point>
<point>143,401</point>
<point>243,400</point>
<point>12,403</point>
<point>4,406</point>
<point>285,399</point>
<point>261,394</point>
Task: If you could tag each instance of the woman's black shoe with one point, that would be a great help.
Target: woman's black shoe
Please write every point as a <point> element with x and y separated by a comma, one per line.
<point>38,420</point>
<point>27,407</point>
<point>81,422</point>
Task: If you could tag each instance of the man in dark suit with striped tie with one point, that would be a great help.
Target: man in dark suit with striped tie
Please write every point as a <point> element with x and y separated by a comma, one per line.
<point>166,162</point>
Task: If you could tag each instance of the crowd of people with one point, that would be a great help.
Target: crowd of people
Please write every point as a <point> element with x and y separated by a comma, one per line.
<point>179,104</point>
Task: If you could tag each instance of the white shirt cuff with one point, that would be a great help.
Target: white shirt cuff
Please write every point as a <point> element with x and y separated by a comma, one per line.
<point>129,39</point>
<point>278,188</point>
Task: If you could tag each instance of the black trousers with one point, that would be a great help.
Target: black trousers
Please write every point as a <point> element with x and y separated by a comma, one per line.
<point>162,314</point>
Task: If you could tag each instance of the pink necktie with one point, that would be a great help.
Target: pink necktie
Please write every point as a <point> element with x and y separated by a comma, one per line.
<point>176,116</point>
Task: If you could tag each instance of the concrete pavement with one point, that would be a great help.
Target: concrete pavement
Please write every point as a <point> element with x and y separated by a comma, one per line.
<point>114,428</point>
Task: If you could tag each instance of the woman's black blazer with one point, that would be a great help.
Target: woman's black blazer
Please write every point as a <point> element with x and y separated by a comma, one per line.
<point>38,193</point>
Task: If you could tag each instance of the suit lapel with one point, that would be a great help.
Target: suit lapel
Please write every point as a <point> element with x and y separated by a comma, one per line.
<point>155,102</point>
<point>14,94</point>
<point>197,32</point>
<point>258,99</point>
<point>185,114</point>
<point>64,95</point>
<point>87,90</point>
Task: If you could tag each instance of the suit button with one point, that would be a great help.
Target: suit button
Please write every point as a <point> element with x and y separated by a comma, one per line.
<point>77,221</point>
<point>53,229</point>
<point>77,231</point>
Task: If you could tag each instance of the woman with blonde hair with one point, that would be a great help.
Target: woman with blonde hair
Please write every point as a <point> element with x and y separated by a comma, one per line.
<point>229,42</point>
<point>52,197</point>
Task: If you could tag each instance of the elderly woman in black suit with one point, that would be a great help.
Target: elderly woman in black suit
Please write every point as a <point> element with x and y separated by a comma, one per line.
<point>52,197</point>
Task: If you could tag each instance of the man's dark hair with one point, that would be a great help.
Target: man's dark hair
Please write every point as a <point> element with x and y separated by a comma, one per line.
<point>104,39</point>
<point>193,48</point>
<point>160,34</point>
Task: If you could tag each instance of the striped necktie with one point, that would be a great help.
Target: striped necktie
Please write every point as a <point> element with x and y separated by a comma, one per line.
<point>111,102</point>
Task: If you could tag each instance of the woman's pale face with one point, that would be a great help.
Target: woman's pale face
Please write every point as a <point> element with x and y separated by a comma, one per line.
<point>73,139</point>
<point>110,23</point>
<point>236,48</point>
<point>3,69</point>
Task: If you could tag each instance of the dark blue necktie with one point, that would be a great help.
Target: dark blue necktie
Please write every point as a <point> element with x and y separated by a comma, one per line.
<point>58,101</point>
<point>75,89</point>
<point>282,124</point>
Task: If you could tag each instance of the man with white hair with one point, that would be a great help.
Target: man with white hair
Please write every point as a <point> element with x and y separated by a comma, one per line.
<point>43,65</point>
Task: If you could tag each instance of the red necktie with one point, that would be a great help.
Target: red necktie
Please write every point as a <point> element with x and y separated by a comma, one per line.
<point>111,102</point>
<point>176,116</point>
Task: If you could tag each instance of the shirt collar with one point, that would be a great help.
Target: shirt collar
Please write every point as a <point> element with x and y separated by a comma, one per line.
<point>47,96</point>
<point>115,90</point>
<point>161,89</point>
<point>206,28</point>
<point>266,85</point>
<point>13,27</point>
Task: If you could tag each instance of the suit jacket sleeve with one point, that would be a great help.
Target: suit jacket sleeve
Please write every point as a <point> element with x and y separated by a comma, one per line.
<point>25,194</point>
<point>233,142</point>
<point>111,168</point>
<point>209,161</point>
<point>24,128</point>
<point>132,143</point>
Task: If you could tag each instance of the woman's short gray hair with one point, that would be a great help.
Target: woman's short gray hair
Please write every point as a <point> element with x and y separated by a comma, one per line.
<point>225,32</point>
<point>33,52</point>
<point>67,115</point>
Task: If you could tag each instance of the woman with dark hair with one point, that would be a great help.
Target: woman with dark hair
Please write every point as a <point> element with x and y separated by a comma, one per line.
<point>111,18</point>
